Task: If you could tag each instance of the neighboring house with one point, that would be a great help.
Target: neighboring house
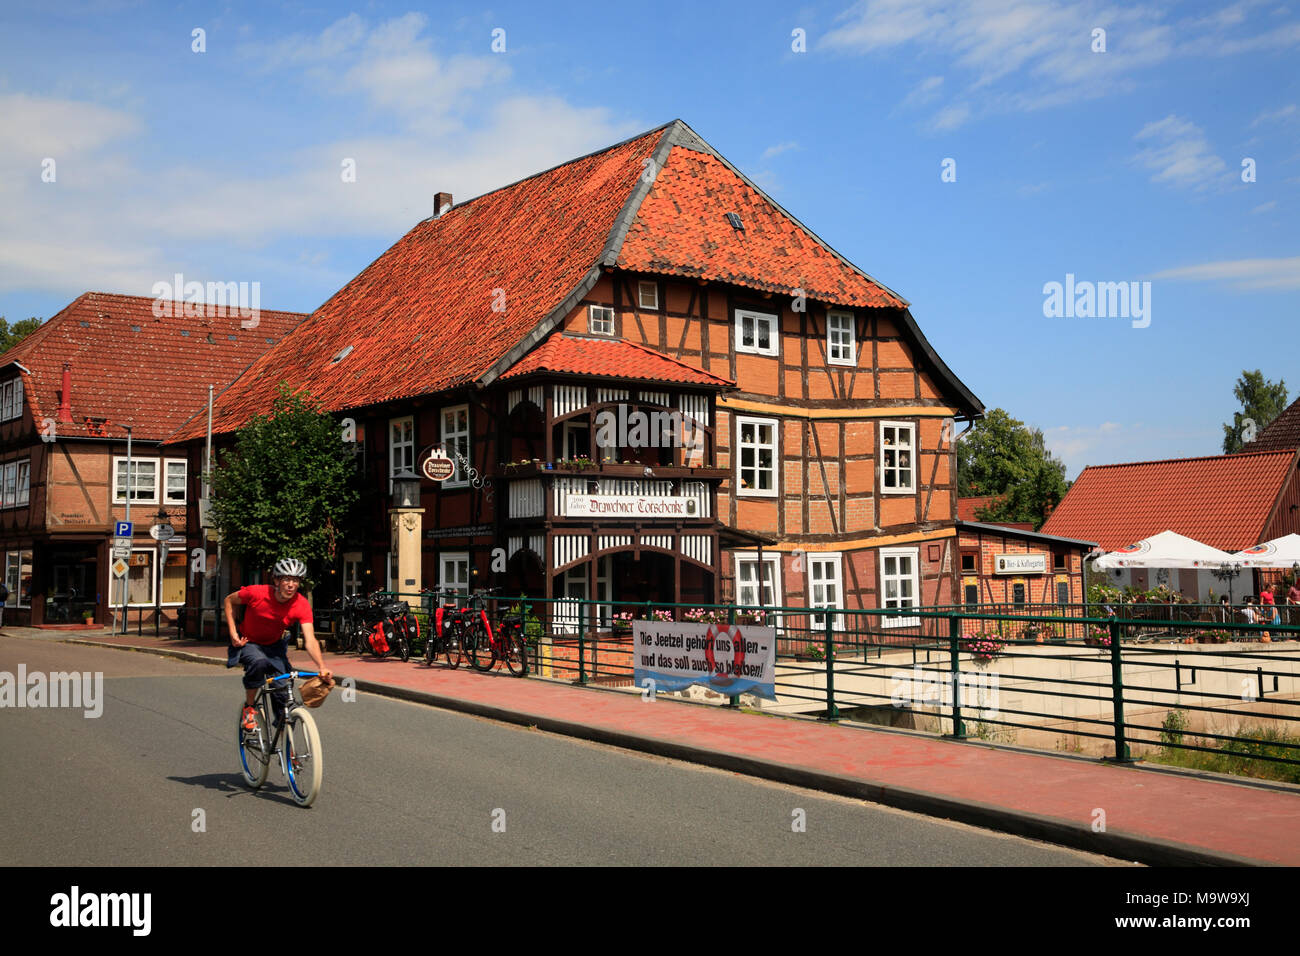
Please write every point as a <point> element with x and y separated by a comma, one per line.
<point>1229,502</point>
<point>1281,434</point>
<point>1004,564</point>
<point>968,509</point>
<point>67,393</point>
<point>649,277</point>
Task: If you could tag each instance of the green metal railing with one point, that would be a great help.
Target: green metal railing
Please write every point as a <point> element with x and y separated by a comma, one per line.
<point>1080,677</point>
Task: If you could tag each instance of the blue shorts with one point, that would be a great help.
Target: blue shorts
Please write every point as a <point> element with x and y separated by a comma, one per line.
<point>261,661</point>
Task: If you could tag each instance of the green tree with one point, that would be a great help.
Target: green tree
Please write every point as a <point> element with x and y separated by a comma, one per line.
<point>286,486</point>
<point>1001,456</point>
<point>11,335</point>
<point>1261,402</point>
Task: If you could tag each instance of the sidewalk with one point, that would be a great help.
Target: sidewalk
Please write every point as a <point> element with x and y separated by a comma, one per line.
<point>1155,816</point>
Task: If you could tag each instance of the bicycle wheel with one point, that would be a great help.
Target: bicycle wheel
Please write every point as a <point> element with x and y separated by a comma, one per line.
<point>452,643</point>
<point>516,651</point>
<point>430,645</point>
<point>408,631</point>
<point>255,751</point>
<point>303,761</point>
<point>481,656</point>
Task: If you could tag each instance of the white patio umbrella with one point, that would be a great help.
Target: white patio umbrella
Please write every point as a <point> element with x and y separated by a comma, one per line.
<point>1168,549</point>
<point>1283,552</point>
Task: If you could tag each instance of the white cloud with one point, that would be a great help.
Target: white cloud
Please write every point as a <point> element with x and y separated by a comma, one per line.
<point>466,131</point>
<point>1266,206</point>
<point>924,92</point>
<point>1024,55</point>
<point>1250,274</point>
<point>1286,114</point>
<point>1179,154</point>
<point>778,149</point>
<point>950,117</point>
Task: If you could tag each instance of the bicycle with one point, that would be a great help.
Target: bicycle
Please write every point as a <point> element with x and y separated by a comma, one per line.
<point>293,739</point>
<point>448,636</point>
<point>506,644</point>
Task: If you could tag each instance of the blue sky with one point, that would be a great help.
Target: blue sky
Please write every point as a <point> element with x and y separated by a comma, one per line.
<point>1115,166</point>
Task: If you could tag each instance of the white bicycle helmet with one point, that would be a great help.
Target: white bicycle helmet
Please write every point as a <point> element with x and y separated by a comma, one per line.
<point>290,567</point>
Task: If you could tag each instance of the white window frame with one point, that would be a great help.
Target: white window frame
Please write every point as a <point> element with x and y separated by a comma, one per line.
<point>352,575</point>
<point>451,441</point>
<point>772,563</point>
<point>7,401</point>
<point>755,492</point>
<point>403,448</point>
<point>9,484</point>
<point>773,323</point>
<point>185,477</point>
<point>24,483</point>
<point>841,338</point>
<point>910,489</point>
<point>569,431</point>
<point>600,320</point>
<point>457,559</point>
<point>653,288</point>
<point>119,492</point>
<point>915,577</point>
<point>13,571</point>
<point>817,597</point>
<point>124,582</point>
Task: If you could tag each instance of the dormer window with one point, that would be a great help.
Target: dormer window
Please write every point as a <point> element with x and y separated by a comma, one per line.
<point>11,399</point>
<point>756,332</point>
<point>840,346</point>
<point>600,320</point>
<point>648,295</point>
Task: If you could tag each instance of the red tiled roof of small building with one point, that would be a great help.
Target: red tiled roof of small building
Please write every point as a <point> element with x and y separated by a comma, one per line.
<point>1224,501</point>
<point>1281,433</point>
<point>610,358</point>
<point>681,229</point>
<point>132,367</point>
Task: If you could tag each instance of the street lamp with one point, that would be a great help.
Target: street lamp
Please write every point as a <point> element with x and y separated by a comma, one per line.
<point>406,519</point>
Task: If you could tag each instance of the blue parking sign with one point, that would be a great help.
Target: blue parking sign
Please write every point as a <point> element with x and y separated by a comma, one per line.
<point>123,529</point>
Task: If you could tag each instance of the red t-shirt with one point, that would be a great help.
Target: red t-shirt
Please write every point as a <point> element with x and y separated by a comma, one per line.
<point>265,618</point>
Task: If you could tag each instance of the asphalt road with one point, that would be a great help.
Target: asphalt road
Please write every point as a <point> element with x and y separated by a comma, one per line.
<point>408,785</point>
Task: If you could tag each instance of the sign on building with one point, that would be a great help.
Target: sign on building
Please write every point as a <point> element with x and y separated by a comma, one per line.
<point>1020,564</point>
<point>630,506</point>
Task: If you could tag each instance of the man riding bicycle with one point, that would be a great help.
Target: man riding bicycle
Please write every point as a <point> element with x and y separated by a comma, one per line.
<point>262,648</point>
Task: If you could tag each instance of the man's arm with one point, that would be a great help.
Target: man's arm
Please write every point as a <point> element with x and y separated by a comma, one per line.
<point>312,645</point>
<point>231,600</point>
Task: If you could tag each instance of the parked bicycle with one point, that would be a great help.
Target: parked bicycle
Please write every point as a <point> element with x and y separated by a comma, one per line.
<point>377,624</point>
<point>447,630</point>
<point>487,647</point>
<point>293,739</point>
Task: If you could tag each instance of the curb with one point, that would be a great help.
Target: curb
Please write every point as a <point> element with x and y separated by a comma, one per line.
<point>1124,846</point>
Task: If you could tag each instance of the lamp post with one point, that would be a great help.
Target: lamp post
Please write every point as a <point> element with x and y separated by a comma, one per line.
<point>406,522</point>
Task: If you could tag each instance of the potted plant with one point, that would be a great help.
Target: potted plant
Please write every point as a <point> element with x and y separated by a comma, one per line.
<point>984,648</point>
<point>87,617</point>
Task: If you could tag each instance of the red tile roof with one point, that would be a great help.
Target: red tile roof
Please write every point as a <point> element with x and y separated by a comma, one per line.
<point>681,229</point>
<point>135,368</point>
<point>966,507</point>
<point>463,297</point>
<point>1223,501</point>
<point>1282,433</point>
<point>611,358</point>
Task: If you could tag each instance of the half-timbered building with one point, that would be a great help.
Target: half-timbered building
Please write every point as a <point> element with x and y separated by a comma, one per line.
<point>656,385</point>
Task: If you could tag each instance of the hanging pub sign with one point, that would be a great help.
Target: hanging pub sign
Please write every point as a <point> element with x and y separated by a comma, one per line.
<point>438,467</point>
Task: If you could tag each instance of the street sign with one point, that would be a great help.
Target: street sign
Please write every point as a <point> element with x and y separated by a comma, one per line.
<point>124,529</point>
<point>121,552</point>
<point>119,568</point>
<point>162,532</point>
<point>122,543</point>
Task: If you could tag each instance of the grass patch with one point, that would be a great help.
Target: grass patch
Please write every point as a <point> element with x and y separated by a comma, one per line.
<point>1239,757</point>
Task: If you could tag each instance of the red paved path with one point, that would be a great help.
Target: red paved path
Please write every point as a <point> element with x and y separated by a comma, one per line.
<point>1149,814</point>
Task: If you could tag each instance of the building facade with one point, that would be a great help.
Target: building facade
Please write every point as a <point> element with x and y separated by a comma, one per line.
<point>69,393</point>
<point>797,446</point>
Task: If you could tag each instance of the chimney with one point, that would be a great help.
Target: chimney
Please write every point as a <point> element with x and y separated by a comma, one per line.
<point>441,203</point>
<point>65,396</point>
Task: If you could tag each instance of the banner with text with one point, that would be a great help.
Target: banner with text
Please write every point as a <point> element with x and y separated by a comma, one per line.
<point>726,658</point>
